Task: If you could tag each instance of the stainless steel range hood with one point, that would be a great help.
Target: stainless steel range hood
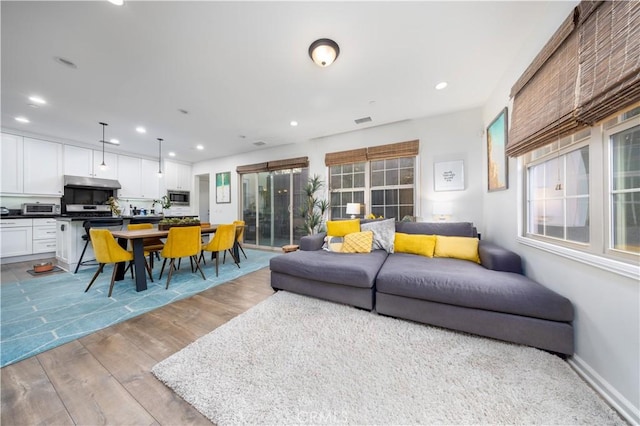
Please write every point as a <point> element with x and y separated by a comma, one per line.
<point>88,182</point>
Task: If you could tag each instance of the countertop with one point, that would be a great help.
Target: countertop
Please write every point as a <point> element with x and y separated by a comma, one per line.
<point>39,216</point>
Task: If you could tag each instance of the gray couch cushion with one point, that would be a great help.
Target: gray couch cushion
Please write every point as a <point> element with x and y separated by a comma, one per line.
<point>356,270</point>
<point>452,229</point>
<point>464,283</point>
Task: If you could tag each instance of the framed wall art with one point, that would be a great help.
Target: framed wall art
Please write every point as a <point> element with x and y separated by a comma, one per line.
<point>497,134</point>
<point>448,176</point>
<point>223,187</point>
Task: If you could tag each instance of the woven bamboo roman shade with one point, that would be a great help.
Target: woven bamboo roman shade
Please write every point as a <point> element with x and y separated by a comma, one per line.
<point>290,163</point>
<point>544,106</point>
<point>253,168</point>
<point>345,157</point>
<point>393,150</point>
<point>609,60</point>
<point>381,152</point>
<point>588,71</point>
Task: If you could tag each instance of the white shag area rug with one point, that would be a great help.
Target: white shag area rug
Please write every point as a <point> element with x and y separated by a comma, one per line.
<point>298,360</point>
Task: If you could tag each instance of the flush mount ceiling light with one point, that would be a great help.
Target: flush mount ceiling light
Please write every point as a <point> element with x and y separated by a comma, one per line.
<point>103,166</point>
<point>324,52</point>
<point>22,119</point>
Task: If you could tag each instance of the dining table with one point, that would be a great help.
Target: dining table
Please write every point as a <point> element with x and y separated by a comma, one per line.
<point>137,239</point>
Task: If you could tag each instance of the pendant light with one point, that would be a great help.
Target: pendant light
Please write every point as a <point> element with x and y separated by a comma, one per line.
<point>103,166</point>
<point>159,157</point>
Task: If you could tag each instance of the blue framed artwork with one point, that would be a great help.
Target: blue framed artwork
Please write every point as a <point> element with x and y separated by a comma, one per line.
<point>497,162</point>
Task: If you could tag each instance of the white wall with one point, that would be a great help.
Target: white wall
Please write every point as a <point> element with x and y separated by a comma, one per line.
<point>456,136</point>
<point>607,305</point>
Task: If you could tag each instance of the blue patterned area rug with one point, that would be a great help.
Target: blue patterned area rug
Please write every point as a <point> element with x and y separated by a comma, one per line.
<point>41,313</point>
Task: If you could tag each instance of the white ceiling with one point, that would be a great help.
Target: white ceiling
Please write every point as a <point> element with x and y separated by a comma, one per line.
<point>242,71</point>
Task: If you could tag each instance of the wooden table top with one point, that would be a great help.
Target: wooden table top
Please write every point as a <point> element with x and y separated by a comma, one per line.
<point>147,233</point>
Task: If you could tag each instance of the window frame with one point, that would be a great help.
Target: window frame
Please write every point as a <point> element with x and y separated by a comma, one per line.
<point>597,252</point>
<point>368,188</point>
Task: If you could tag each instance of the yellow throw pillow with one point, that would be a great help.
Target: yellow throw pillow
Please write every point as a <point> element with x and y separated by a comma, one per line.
<point>340,228</point>
<point>464,248</point>
<point>414,244</point>
<point>358,242</point>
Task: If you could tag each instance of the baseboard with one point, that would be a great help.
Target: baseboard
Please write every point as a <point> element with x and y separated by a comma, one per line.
<point>608,392</point>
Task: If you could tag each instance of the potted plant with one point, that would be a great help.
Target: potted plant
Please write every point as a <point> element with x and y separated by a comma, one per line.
<point>165,224</point>
<point>313,209</point>
<point>164,202</point>
<point>114,206</point>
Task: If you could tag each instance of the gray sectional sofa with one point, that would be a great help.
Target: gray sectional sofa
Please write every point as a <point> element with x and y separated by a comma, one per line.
<point>490,299</point>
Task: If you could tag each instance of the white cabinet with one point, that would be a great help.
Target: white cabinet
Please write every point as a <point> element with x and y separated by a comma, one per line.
<point>129,177</point>
<point>11,164</point>
<point>63,240</point>
<point>16,237</point>
<point>138,178</point>
<point>44,235</point>
<point>177,176</point>
<point>42,167</point>
<point>150,183</point>
<point>86,162</point>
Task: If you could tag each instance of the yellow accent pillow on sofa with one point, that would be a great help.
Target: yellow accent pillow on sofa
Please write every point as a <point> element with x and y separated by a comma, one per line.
<point>464,248</point>
<point>414,244</point>
<point>358,242</point>
<point>340,228</point>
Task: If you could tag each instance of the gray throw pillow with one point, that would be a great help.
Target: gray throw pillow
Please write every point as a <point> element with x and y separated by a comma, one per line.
<point>384,233</point>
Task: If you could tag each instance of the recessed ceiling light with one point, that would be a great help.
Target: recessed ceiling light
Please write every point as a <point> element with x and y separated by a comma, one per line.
<point>115,141</point>
<point>199,147</point>
<point>22,119</point>
<point>172,154</point>
<point>117,2</point>
<point>293,123</point>
<point>441,85</point>
<point>37,100</point>
<point>141,129</point>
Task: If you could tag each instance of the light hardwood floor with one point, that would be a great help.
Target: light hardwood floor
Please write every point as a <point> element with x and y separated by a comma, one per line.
<point>105,377</point>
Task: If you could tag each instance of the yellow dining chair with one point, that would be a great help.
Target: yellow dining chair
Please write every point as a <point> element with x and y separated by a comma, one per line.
<point>107,250</point>
<point>240,235</point>
<point>238,240</point>
<point>182,241</point>
<point>222,241</point>
<point>152,245</point>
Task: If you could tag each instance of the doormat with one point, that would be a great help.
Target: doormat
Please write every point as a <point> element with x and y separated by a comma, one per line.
<point>41,274</point>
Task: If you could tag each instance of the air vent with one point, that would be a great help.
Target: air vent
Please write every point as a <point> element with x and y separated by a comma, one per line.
<point>259,143</point>
<point>363,120</point>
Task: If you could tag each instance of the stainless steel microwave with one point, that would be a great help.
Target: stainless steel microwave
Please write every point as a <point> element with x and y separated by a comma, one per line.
<point>178,198</point>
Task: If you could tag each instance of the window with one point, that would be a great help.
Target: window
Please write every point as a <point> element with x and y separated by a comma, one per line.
<point>624,190</point>
<point>347,185</point>
<point>392,187</point>
<point>387,186</point>
<point>583,191</point>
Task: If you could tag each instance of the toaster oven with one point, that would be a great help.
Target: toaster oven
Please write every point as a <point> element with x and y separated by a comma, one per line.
<point>40,209</point>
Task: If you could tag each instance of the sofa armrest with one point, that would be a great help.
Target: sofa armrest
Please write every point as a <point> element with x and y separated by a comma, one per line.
<point>312,242</point>
<point>497,258</point>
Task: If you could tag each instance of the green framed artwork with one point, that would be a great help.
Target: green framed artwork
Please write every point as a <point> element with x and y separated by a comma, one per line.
<point>223,187</point>
<point>497,161</point>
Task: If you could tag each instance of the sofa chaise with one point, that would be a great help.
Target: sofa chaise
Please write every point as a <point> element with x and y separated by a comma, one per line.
<point>491,298</point>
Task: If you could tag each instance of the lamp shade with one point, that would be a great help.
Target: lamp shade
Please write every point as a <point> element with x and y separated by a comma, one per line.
<point>353,209</point>
<point>324,52</point>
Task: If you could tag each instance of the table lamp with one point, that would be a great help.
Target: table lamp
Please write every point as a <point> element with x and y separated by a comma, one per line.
<point>353,209</point>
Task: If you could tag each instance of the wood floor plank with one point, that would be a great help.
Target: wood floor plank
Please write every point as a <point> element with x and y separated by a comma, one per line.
<point>90,393</point>
<point>106,377</point>
<point>132,368</point>
<point>29,398</point>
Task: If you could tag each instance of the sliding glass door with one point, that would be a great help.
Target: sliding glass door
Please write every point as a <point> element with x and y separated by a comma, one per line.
<point>270,205</point>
